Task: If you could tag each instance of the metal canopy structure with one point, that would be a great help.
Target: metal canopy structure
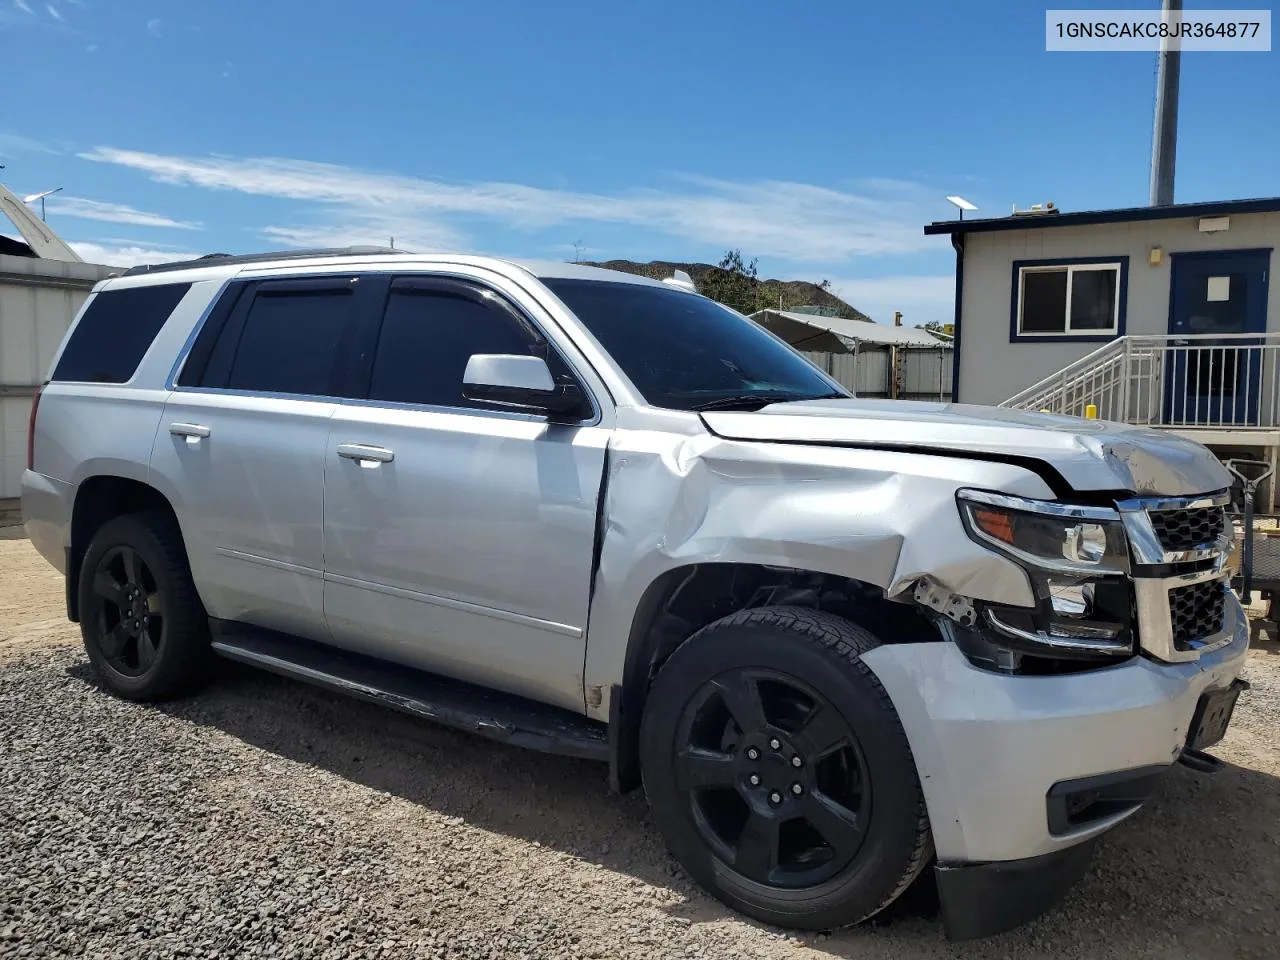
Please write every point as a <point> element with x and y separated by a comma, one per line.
<point>815,333</point>
<point>43,241</point>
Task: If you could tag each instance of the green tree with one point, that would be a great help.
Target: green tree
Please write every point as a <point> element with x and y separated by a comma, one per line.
<point>736,283</point>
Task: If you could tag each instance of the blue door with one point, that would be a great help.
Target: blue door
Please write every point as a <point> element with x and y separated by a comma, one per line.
<point>1213,374</point>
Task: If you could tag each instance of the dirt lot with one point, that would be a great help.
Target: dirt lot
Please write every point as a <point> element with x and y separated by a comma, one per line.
<point>265,818</point>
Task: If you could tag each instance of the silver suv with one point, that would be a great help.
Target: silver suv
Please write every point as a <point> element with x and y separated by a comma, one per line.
<point>837,641</point>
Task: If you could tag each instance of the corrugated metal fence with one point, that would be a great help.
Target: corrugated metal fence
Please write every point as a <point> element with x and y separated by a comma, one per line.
<point>924,374</point>
<point>38,301</point>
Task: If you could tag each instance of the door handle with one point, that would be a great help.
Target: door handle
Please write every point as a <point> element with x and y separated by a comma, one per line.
<point>194,432</point>
<point>363,453</point>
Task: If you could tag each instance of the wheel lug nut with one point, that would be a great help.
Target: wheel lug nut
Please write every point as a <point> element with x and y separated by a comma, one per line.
<point>775,744</point>
<point>753,753</point>
<point>797,789</point>
<point>797,762</point>
<point>775,797</point>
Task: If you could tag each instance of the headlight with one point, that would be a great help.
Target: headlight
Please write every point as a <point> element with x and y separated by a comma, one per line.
<point>1076,558</point>
<point>1054,537</point>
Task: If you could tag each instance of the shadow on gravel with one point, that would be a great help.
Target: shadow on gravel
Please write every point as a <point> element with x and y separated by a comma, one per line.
<point>1267,644</point>
<point>1195,873</point>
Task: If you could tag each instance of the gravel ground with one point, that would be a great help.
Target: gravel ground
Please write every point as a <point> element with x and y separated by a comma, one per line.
<point>266,818</point>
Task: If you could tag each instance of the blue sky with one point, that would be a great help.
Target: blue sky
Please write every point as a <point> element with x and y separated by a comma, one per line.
<point>819,136</point>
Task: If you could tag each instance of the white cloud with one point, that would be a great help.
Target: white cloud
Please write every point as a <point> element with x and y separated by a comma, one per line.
<point>53,12</point>
<point>24,7</point>
<point>114,213</point>
<point>13,143</point>
<point>921,299</point>
<point>155,27</point>
<point>409,235</point>
<point>125,254</point>
<point>779,219</point>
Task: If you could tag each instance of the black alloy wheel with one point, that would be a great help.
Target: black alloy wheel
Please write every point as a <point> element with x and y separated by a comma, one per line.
<point>774,777</point>
<point>129,610</point>
<point>144,628</point>
<point>779,771</point>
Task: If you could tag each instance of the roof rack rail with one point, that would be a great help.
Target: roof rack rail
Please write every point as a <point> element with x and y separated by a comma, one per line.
<point>225,259</point>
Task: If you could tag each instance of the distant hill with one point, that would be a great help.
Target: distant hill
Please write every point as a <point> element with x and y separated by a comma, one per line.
<point>794,293</point>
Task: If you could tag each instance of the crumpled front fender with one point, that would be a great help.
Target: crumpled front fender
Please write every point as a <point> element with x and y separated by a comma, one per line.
<point>884,518</point>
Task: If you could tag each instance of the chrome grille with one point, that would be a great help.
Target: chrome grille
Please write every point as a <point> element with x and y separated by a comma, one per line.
<point>1188,529</point>
<point>1179,548</point>
<point>1196,611</point>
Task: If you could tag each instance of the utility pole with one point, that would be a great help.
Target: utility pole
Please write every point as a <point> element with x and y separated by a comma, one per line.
<point>1164,136</point>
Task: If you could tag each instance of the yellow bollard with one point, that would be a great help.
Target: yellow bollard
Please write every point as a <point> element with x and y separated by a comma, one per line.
<point>1091,411</point>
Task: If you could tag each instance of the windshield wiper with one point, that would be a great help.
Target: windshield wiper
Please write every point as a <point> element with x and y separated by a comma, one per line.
<point>754,401</point>
<point>743,402</point>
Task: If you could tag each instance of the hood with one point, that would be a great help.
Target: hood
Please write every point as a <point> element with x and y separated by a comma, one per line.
<point>1087,454</point>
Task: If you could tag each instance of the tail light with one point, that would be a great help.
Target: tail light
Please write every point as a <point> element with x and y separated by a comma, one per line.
<point>31,429</point>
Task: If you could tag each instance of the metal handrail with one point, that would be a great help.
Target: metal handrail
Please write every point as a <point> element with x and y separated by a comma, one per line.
<point>1083,364</point>
<point>1227,381</point>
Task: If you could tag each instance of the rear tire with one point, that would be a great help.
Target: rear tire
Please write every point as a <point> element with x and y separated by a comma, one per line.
<point>144,628</point>
<point>779,773</point>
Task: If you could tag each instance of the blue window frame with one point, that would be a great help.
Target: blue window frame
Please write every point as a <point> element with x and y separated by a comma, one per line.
<point>1076,299</point>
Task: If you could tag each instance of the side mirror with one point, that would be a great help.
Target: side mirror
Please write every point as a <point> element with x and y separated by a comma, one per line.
<point>518,381</point>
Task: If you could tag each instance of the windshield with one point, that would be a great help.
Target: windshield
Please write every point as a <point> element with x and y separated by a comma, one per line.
<point>685,352</point>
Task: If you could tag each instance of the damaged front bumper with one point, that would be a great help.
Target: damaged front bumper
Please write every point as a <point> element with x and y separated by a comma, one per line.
<point>997,753</point>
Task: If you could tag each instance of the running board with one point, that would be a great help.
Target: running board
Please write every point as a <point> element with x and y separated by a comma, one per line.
<point>464,706</point>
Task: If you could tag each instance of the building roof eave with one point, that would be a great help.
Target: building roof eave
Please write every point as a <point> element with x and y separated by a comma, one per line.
<point>1216,208</point>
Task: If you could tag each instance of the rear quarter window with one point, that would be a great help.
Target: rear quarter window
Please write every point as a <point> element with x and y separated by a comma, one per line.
<point>114,333</point>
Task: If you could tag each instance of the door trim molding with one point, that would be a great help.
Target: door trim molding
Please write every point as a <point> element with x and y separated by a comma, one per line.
<point>550,626</point>
<point>284,565</point>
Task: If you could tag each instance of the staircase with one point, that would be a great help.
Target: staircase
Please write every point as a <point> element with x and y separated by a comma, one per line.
<point>1220,389</point>
<point>1098,378</point>
<point>1225,382</point>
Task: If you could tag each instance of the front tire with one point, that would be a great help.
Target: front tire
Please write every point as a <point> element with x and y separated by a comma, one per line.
<point>143,625</point>
<point>779,773</point>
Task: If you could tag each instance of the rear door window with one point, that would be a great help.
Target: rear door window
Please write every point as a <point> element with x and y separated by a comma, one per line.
<point>115,332</point>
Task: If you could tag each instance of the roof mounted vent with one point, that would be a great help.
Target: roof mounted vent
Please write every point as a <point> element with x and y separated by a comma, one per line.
<point>681,279</point>
<point>1036,210</point>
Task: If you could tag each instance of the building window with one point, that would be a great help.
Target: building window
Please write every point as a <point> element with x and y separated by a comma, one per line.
<point>1077,299</point>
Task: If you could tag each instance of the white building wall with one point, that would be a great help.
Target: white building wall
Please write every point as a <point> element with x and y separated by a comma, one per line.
<point>992,369</point>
